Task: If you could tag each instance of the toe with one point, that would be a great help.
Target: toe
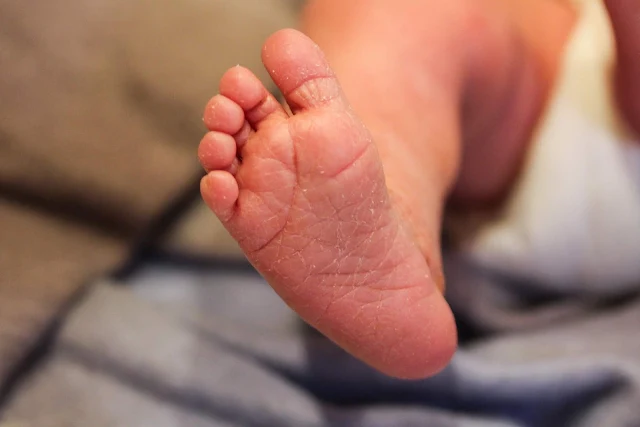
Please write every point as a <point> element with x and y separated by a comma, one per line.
<point>217,150</point>
<point>625,16</point>
<point>300,70</point>
<point>244,88</point>
<point>219,190</point>
<point>223,115</point>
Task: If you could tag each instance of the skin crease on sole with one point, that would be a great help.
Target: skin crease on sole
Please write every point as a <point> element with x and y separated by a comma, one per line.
<point>309,206</point>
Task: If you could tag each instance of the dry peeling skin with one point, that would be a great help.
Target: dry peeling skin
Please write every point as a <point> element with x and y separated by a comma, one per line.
<point>309,206</point>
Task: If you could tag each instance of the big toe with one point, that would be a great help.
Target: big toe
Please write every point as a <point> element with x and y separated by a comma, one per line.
<point>300,70</point>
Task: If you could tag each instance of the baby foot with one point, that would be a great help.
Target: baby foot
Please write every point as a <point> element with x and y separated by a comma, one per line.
<point>305,197</point>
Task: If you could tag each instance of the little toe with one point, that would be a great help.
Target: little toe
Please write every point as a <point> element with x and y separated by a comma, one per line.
<point>219,190</point>
<point>217,150</point>
<point>243,87</point>
<point>223,115</point>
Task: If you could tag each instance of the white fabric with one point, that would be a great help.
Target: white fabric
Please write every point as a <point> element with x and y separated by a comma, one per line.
<point>573,222</point>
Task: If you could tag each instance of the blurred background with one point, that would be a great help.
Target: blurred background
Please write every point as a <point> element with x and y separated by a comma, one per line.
<point>100,107</point>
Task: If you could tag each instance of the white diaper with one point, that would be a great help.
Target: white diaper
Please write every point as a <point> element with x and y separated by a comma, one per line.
<point>573,222</point>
